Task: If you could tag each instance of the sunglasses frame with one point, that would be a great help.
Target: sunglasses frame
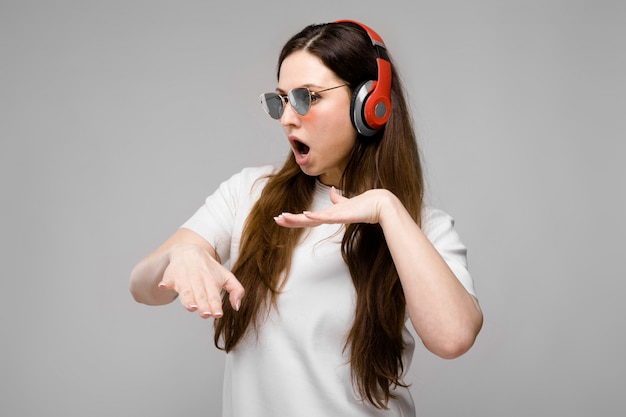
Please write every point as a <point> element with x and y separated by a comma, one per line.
<point>290,98</point>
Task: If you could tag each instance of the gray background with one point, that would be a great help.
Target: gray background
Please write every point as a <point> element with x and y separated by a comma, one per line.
<point>118,117</point>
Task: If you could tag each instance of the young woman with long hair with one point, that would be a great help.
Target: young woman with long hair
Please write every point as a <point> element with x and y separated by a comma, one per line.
<point>313,270</point>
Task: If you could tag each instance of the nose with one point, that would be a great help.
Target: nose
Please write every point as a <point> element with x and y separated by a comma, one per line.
<point>289,117</point>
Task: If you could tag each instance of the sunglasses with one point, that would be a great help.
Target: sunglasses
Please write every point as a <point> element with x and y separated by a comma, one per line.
<point>299,98</point>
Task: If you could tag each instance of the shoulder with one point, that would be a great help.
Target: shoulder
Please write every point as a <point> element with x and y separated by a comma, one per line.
<point>439,228</point>
<point>434,219</point>
<point>250,180</point>
<point>251,175</point>
<point>258,171</point>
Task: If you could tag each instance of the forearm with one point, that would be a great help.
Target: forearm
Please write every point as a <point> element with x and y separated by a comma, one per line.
<point>145,278</point>
<point>445,316</point>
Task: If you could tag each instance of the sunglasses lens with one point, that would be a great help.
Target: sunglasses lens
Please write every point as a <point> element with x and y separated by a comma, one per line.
<point>300,99</point>
<point>272,104</point>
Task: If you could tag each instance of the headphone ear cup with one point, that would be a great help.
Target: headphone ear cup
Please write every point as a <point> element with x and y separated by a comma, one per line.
<point>357,108</point>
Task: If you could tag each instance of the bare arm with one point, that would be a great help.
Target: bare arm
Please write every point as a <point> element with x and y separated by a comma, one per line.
<point>445,316</point>
<point>443,313</point>
<point>187,265</point>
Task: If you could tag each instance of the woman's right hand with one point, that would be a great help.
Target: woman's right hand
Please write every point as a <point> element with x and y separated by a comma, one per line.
<point>198,278</point>
<point>188,266</point>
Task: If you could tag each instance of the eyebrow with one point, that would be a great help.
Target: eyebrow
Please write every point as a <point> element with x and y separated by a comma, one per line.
<point>311,87</point>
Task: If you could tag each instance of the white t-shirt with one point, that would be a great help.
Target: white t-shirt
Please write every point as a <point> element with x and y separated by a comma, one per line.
<point>296,365</point>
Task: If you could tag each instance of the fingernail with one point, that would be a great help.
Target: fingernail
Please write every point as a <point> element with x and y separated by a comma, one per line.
<point>237,305</point>
<point>305,212</point>
<point>218,315</point>
<point>161,285</point>
<point>192,307</point>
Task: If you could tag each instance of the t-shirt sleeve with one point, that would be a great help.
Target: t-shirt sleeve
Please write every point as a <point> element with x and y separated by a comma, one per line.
<point>220,219</point>
<point>438,226</point>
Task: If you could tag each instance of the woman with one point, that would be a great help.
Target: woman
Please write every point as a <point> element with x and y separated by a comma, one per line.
<point>311,287</point>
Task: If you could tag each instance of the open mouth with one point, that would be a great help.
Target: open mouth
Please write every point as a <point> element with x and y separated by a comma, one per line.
<point>300,147</point>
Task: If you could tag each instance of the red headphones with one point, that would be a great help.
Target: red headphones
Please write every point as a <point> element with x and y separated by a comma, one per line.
<point>371,100</point>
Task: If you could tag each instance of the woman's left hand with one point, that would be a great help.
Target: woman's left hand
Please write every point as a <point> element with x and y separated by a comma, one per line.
<point>445,316</point>
<point>364,208</point>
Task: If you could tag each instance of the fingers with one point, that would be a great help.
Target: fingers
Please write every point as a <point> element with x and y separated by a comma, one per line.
<point>200,290</point>
<point>235,291</point>
<point>335,197</point>
<point>296,220</point>
<point>312,219</point>
<point>190,294</point>
<point>204,297</point>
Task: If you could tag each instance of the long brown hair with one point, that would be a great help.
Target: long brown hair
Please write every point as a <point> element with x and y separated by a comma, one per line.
<point>388,160</point>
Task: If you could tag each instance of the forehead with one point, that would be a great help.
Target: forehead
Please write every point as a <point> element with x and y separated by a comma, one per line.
<point>302,68</point>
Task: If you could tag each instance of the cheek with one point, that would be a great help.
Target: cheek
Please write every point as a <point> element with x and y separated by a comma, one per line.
<point>348,132</point>
<point>334,125</point>
<point>340,134</point>
<point>341,123</point>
